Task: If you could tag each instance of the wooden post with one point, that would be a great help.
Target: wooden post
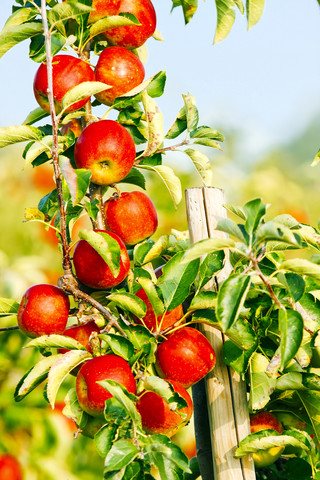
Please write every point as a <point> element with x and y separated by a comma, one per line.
<point>226,392</point>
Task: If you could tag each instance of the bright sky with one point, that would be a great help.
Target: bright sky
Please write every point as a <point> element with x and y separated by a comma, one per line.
<point>265,81</point>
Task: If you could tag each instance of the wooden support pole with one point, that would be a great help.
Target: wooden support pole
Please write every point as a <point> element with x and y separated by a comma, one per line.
<point>226,392</point>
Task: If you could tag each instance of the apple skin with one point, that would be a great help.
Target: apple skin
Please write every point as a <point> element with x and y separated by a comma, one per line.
<point>159,323</point>
<point>132,216</point>
<point>262,421</point>
<point>156,415</point>
<point>102,8</point>
<point>133,36</point>
<point>10,468</point>
<point>119,68</point>
<point>186,357</point>
<point>186,440</point>
<point>92,270</point>
<point>81,333</point>
<point>72,126</point>
<point>107,149</point>
<point>67,72</point>
<point>91,395</point>
<point>43,310</point>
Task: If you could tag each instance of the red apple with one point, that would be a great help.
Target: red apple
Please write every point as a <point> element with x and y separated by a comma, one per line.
<point>102,8</point>
<point>10,468</point>
<point>132,216</point>
<point>134,36</point>
<point>91,395</point>
<point>67,72</point>
<point>93,271</point>
<point>156,415</point>
<point>186,357</point>
<point>161,322</point>
<point>107,149</point>
<point>119,68</point>
<point>43,178</point>
<point>72,126</point>
<point>43,310</point>
<point>81,333</point>
<point>262,421</point>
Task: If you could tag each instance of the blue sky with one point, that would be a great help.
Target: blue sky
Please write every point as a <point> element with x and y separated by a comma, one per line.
<point>265,81</point>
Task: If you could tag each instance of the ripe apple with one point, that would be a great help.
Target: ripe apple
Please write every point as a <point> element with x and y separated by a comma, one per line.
<point>134,36</point>
<point>91,395</point>
<point>92,270</point>
<point>73,126</point>
<point>132,216</point>
<point>107,149</point>
<point>10,468</point>
<point>43,310</point>
<point>156,415</point>
<point>161,322</point>
<point>119,68</point>
<point>43,178</point>
<point>262,421</point>
<point>186,357</point>
<point>81,333</point>
<point>67,72</point>
<point>102,8</point>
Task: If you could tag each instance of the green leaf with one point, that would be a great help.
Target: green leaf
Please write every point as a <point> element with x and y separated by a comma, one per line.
<point>34,377</point>
<point>38,49</point>
<point>203,300</point>
<point>121,454</point>
<point>235,357</point>
<point>231,297</point>
<point>189,8</point>
<point>179,125</point>
<point>242,334</point>
<point>82,91</point>
<point>135,177</point>
<point>18,133</point>
<point>19,17</point>
<point>152,294</point>
<point>266,439</point>
<point>228,226</point>
<point>155,132</point>
<point>141,250</point>
<point>293,283</point>
<point>14,35</point>
<point>238,211</point>
<point>126,399</point>
<point>165,390</point>
<point>73,410</point>
<point>114,21</point>
<point>207,132</point>
<point>137,334</point>
<point>209,245</point>
<point>202,164</point>
<point>261,384</point>
<point>271,231</point>
<point>36,115</point>
<point>212,263</point>
<point>106,246</point>
<point>7,306</point>
<point>104,438</point>
<point>225,19</point>
<point>254,11</point>
<point>78,180</point>
<point>154,250</point>
<point>129,302</point>
<point>61,368</point>
<point>167,457</point>
<point>301,266</point>
<point>311,402</point>
<point>65,11</point>
<point>176,280</point>
<point>55,341</point>
<point>192,114</point>
<point>153,86</point>
<point>291,331</point>
<point>254,211</point>
<point>119,345</point>
<point>169,178</point>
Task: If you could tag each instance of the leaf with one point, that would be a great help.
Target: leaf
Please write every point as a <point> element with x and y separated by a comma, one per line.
<point>171,181</point>
<point>271,231</point>
<point>55,341</point>
<point>167,456</point>
<point>212,263</point>
<point>104,438</point>
<point>235,357</point>
<point>154,250</point>
<point>225,19</point>
<point>12,36</point>
<point>203,300</point>
<point>301,266</point>
<point>165,390</point>
<point>135,177</point>
<point>316,159</point>
<point>155,131</point>
<point>126,399</point>
<point>179,125</point>
<point>37,50</point>
<point>36,115</point>
<point>311,403</point>
<point>121,454</point>
<point>254,211</point>
<point>207,132</point>
<point>192,114</point>
<point>7,305</point>
<point>202,164</point>
<point>294,284</point>
<point>33,214</point>
<point>152,294</point>
<point>291,332</point>
<point>254,11</point>
<point>176,280</point>
<point>209,245</point>
<point>261,384</point>
<point>106,246</point>
<point>266,439</point>
<point>238,211</point>
<point>119,345</point>
<point>228,226</point>
<point>78,180</point>
<point>129,302</point>
<point>231,297</point>
<point>114,21</point>
<point>65,11</point>
<point>18,133</point>
<point>154,87</point>
<point>34,377</point>
<point>81,91</point>
<point>61,368</point>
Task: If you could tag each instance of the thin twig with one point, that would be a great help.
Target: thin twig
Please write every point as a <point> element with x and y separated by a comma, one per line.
<point>8,329</point>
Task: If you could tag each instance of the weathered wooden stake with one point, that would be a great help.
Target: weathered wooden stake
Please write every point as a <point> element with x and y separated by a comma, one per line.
<point>226,392</point>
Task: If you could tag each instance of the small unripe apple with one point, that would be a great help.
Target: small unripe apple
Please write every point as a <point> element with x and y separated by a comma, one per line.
<point>93,271</point>
<point>133,36</point>
<point>107,149</point>
<point>81,333</point>
<point>156,415</point>
<point>161,322</point>
<point>186,357</point>
<point>91,395</point>
<point>67,72</point>
<point>10,468</point>
<point>119,68</point>
<point>43,310</point>
<point>263,421</point>
<point>132,216</point>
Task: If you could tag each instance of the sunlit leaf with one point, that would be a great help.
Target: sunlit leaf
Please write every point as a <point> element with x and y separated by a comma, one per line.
<point>67,10</point>
<point>261,384</point>
<point>114,21</point>
<point>291,331</point>
<point>18,133</point>
<point>121,454</point>
<point>301,266</point>
<point>14,35</point>
<point>129,302</point>
<point>231,297</point>
<point>202,164</point>
<point>171,181</point>
<point>78,180</point>
<point>192,114</point>
<point>225,19</point>
<point>82,91</point>
<point>119,345</point>
<point>155,132</point>
<point>254,11</point>
<point>106,246</point>
<point>55,341</point>
<point>7,305</point>
<point>36,115</point>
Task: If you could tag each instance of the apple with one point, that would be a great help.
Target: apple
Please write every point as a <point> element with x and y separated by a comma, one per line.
<point>67,72</point>
<point>43,178</point>
<point>43,310</point>
<point>186,440</point>
<point>92,270</point>
<point>91,395</point>
<point>161,322</point>
<point>133,36</point>
<point>186,356</point>
<point>107,149</point>
<point>72,126</point>
<point>263,421</point>
<point>10,468</point>
<point>156,415</point>
<point>119,68</point>
<point>102,8</point>
<point>132,216</point>
<point>81,333</point>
